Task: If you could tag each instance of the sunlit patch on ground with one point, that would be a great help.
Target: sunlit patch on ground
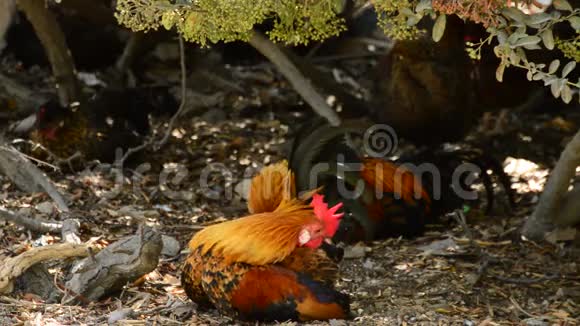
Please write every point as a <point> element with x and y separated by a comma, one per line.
<point>527,176</point>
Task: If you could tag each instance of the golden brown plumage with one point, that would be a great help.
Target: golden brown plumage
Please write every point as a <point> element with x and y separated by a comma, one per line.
<point>274,184</point>
<point>268,266</point>
<point>258,239</point>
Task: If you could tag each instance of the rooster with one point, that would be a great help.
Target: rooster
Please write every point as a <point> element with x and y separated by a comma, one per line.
<point>269,266</point>
<point>383,198</point>
<point>111,119</point>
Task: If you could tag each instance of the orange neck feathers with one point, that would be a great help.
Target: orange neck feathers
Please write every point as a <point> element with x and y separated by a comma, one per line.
<point>274,185</point>
<point>258,239</point>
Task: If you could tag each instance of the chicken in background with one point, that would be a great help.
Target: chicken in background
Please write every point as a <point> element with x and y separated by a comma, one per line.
<point>269,266</point>
<point>423,89</point>
<point>432,92</point>
<point>96,128</point>
<point>393,197</point>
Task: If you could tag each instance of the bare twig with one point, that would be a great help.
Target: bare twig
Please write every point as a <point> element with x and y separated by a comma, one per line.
<point>119,163</point>
<point>300,83</point>
<point>35,225</point>
<point>460,219</point>
<point>183,96</point>
<point>15,266</point>
<point>518,307</point>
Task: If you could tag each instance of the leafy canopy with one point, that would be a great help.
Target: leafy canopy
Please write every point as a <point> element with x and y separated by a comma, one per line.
<point>297,22</point>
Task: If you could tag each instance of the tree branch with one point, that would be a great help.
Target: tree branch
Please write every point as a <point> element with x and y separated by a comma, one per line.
<point>27,176</point>
<point>53,40</point>
<point>35,225</point>
<point>15,266</point>
<point>300,83</point>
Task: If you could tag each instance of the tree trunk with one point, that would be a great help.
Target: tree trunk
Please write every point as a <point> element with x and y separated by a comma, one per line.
<point>546,213</point>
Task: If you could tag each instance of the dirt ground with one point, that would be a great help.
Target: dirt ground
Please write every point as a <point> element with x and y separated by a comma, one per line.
<point>485,274</point>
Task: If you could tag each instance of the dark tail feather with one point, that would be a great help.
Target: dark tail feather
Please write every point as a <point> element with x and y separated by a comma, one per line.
<point>448,160</point>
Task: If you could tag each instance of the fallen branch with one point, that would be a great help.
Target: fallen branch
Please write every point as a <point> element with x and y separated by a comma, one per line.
<point>27,176</point>
<point>542,219</point>
<point>36,225</point>
<point>300,83</point>
<point>111,269</point>
<point>14,267</point>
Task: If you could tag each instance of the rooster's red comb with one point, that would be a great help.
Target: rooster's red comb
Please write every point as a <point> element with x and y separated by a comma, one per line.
<point>328,216</point>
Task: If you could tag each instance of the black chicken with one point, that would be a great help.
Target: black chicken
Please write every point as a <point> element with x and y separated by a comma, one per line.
<point>110,120</point>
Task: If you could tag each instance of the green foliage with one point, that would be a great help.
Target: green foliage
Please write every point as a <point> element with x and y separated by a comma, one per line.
<point>515,32</point>
<point>398,19</point>
<point>570,48</point>
<point>518,33</point>
<point>211,21</point>
<point>301,21</point>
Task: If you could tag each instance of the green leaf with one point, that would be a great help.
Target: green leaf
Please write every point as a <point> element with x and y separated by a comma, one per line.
<point>528,40</point>
<point>539,18</point>
<point>548,39</point>
<point>407,12</point>
<point>513,38</point>
<point>554,65</point>
<point>168,19</point>
<point>514,58</point>
<point>530,75</point>
<point>556,88</point>
<point>566,94</point>
<point>532,47</point>
<point>574,22</point>
<point>562,5</point>
<point>539,76</point>
<point>423,5</point>
<point>413,20</point>
<point>439,28</point>
<point>568,68</point>
<point>514,14</point>
<point>502,37</point>
<point>549,80</point>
